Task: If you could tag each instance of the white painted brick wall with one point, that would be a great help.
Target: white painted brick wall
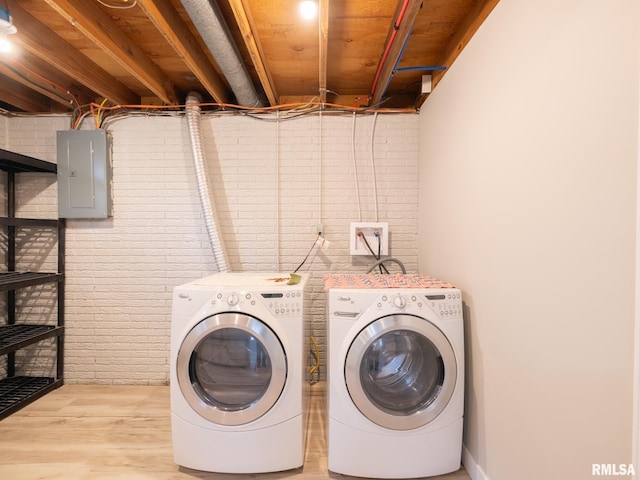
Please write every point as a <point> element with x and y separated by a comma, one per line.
<point>36,197</point>
<point>271,188</point>
<point>4,131</point>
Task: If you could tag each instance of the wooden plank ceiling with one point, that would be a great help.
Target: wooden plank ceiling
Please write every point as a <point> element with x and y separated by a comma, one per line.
<point>366,54</point>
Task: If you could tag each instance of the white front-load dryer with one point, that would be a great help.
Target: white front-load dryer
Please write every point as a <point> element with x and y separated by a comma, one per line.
<point>395,381</point>
<point>238,373</point>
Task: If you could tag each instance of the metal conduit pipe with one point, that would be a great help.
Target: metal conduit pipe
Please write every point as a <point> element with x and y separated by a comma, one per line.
<point>208,20</point>
<point>204,189</point>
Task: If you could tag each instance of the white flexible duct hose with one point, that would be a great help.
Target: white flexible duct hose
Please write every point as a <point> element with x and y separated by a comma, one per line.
<point>208,211</point>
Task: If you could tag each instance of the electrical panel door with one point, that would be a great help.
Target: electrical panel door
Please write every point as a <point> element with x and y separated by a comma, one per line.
<point>84,174</point>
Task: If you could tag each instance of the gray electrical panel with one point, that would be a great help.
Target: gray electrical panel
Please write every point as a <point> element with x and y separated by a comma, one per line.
<point>84,174</point>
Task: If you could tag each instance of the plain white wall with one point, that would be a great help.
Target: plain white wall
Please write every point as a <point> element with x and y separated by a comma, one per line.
<point>527,203</point>
<point>273,183</point>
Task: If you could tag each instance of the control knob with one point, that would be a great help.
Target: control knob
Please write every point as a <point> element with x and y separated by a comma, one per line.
<point>399,301</point>
<point>232,299</point>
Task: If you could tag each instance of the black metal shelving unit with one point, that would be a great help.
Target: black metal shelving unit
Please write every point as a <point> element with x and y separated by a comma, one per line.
<point>18,391</point>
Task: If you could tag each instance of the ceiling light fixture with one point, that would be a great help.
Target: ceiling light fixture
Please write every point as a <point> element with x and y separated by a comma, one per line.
<point>5,44</point>
<point>308,9</point>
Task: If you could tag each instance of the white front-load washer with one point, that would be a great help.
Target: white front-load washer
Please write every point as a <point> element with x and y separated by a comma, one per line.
<point>238,385</point>
<point>395,379</point>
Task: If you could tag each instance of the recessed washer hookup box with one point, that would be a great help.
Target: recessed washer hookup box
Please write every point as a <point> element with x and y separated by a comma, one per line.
<point>84,174</point>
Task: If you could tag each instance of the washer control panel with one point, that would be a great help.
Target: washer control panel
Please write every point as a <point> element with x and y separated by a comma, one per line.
<point>446,304</point>
<point>400,301</point>
<point>350,304</point>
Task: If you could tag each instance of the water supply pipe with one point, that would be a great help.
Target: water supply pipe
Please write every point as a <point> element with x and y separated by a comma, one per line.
<point>204,189</point>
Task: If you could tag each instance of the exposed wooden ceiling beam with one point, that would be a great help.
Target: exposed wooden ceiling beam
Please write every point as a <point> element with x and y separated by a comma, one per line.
<point>87,17</point>
<point>61,55</point>
<point>20,96</point>
<point>459,41</point>
<point>242,14</point>
<point>10,71</point>
<point>399,31</point>
<point>468,28</point>
<point>177,33</point>
<point>132,56</point>
<point>323,29</point>
<point>46,80</point>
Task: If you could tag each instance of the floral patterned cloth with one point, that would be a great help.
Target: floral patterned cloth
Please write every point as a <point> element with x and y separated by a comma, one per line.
<point>369,280</point>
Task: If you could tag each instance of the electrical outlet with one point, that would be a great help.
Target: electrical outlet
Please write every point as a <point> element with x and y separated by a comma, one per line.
<point>376,235</point>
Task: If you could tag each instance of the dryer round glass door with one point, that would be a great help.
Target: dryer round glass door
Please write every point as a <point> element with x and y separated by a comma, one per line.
<point>231,368</point>
<point>401,372</point>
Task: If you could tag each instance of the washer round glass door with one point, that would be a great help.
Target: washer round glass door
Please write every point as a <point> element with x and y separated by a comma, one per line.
<point>401,372</point>
<point>231,368</point>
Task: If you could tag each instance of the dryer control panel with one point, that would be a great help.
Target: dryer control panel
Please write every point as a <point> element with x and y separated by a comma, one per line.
<point>280,304</point>
<point>283,303</point>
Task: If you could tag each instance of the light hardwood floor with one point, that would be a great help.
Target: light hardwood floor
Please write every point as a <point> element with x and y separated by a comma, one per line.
<point>81,432</point>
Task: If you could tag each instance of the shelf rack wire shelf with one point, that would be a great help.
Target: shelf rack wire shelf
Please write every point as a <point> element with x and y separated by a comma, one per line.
<point>17,391</point>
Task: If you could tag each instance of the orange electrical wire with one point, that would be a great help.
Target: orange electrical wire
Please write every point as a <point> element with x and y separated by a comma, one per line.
<point>265,109</point>
<point>53,84</point>
<point>97,109</point>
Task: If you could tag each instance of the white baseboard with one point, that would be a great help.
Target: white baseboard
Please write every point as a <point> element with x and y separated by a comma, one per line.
<point>471,466</point>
